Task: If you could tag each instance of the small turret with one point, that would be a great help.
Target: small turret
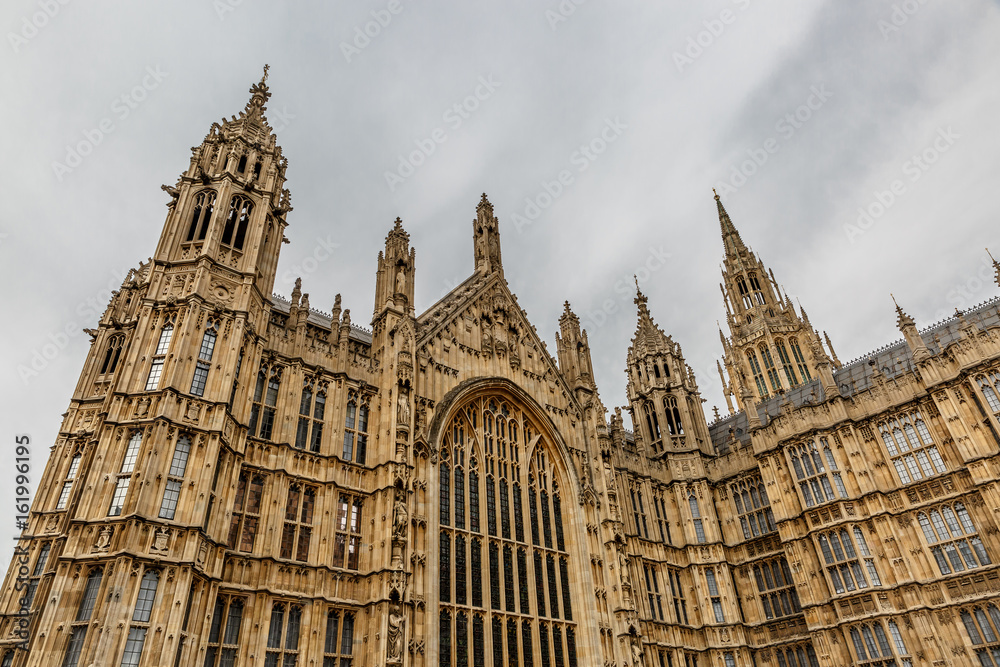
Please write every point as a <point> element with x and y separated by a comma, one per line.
<point>914,341</point>
<point>486,238</point>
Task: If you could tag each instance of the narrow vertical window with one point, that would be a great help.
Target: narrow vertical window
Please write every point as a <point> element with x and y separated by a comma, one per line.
<point>159,356</point>
<point>204,363</point>
<point>140,619</point>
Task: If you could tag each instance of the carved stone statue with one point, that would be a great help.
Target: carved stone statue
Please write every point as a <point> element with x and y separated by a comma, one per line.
<point>400,281</point>
<point>403,407</point>
<point>400,520</point>
<point>394,635</point>
<point>637,652</point>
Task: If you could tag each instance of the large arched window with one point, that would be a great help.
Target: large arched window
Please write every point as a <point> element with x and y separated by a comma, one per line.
<point>235,231</point>
<point>495,572</point>
<point>204,202</point>
<point>113,353</point>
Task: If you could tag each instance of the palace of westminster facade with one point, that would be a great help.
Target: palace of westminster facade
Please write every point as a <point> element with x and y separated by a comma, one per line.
<point>240,480</point>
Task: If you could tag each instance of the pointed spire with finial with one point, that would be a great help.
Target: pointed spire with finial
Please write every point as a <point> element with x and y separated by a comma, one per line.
<point>996,266</point>
<point>259,95</point>
<point>902,319</point>
<point>486,238</point>
<point>730,235</point>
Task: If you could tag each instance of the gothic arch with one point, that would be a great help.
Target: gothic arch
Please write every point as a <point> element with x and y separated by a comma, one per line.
<point>470,389</point>
<point>508,548</point>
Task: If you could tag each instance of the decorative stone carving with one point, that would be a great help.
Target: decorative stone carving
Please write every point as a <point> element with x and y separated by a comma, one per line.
<point>394,635</point>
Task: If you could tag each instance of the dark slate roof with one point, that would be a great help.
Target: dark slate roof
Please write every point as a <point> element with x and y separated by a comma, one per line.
<point>856,376</point>
<point>321,319</point>
<point>896,358</point>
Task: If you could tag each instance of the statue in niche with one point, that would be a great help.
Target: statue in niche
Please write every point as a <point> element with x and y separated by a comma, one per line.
<point>481,247</point>
<point>494,250</point>
<point>403,406</point>
<point>400,519</point>
<point>394,635</point>
<point>637,651</point>
<point>400,281</point>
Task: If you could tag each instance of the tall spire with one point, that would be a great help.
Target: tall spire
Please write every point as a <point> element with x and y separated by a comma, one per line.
<point>730,236</point>
<point>996,265</point>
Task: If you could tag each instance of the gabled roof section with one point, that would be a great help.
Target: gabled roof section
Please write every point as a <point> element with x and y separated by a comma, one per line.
<point>453,306</point>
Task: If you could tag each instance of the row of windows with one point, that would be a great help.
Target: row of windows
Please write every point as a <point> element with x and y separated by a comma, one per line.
<point>138,626</point>
<point>312,412</point>
<point>673,419</point>
<point>872,647</point>
<point>172,489</point>
<point>511,643</point>
<point>297,528</point>
<point>284,635</point>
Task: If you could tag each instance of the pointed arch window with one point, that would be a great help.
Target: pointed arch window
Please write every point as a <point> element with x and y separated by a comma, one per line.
<point>812,474</point>
<point>758,295</point>
<point>653,426</point>
<point>283,636</point>
<point>741,286</point>
<point>989,384</point>
<point>264,403</point>
<point>786,363</point>
<point>983,625</point>
<point>204,363</point>
<point>776,588</point>
<point>297,532</point>
<point>159,356</point>
<point>953,538</point>
<point>312,410</point>
<point>772,372</point>
<point>873,649</point>
<point>674,424</point>
<point>201,215</point>
<point>67,487</point>
<point>758,376</point>
<point>753,507</point>
<point>347,540</point>
<point>112,354</point>
<point>223,642</point>
<point>140,619</point>
<point>356,429</point>
<point>486,444</point>
<point>78,631</point>
<point>125,474</point>
<point>699,528</point>
<point>235,230</point>
<point>800,359</point>
<point>911,448</point>
<point>175,477</point>
<point>246,512</point>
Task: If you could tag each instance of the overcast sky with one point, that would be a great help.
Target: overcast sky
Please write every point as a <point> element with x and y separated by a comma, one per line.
<point>641,107</point>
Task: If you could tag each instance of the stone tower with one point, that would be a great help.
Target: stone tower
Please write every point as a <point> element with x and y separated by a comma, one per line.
<point>770,348</point>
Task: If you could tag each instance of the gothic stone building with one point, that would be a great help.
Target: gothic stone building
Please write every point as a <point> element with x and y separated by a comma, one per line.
<point>241,480</point>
